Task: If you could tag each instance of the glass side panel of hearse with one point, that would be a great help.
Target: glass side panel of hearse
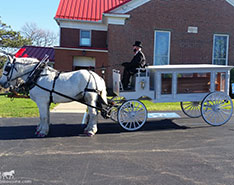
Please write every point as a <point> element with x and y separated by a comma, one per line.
<point>166,79</point>
<point>193,83</point>
<point>220,81</point>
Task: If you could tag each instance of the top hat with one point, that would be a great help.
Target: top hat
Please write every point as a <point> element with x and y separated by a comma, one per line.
<point>138,44</point>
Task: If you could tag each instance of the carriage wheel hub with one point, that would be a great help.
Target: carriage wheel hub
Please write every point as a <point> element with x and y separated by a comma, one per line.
<point>132,115</point>
<point>215,108</point>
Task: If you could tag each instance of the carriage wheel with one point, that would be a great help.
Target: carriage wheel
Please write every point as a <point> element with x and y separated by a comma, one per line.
<point>191,109</point>
<point>132,115</point>
<point>216,108</point>
<point>117,101</point>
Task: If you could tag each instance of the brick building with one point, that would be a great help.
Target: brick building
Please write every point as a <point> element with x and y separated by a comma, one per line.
<point>100,33</point>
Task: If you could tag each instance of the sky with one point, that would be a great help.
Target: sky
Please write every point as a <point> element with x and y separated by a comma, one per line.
<point>16,13</point>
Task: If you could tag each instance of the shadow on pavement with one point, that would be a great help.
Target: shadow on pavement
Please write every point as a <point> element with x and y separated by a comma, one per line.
<point>71,130</point>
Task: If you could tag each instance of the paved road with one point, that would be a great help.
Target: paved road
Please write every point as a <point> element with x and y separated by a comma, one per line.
<point>180,151</point>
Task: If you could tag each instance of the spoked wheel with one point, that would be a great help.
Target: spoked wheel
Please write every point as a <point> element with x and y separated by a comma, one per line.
<point>117,101</point>
<point>191,109</point>
<point>217,108</point>
<point>132,115</point>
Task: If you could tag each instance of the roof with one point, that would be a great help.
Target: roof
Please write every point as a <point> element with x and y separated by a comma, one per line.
<point>86,10</point>
<point>90,10</point>
<point>36,52</point>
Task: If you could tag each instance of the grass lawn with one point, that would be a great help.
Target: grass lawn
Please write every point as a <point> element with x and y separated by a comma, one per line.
<point>27,108</point>
<point>18,107</point>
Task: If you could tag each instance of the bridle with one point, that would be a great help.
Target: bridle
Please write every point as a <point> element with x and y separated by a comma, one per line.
<point>10,67</point>
<point>8,70</point>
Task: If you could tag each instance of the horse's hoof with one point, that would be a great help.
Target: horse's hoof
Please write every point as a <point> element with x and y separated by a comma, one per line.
<point>88,134</point>
<point>41,135</point>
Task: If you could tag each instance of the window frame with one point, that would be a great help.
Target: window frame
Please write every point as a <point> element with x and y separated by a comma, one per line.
<point>90,35</point>
<point>227,45</point>
<point>169,45</point>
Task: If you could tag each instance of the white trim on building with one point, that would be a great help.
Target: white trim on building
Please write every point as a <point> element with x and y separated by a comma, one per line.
<point>79,24</point>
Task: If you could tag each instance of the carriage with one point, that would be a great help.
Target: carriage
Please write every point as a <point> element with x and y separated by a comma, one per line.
<point>202,90</point>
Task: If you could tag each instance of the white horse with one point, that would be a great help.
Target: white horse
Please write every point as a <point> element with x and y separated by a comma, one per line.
<point>71,84</point>
<point>8,175</point>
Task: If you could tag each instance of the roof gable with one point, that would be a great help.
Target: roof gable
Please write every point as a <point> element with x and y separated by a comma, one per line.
<point>86,10</point>
<point>128,6</point>
<point>230,2</point>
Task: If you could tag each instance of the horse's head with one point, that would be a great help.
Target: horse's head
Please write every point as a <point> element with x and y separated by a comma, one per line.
<point>7,74</point>
<point>14,69</point>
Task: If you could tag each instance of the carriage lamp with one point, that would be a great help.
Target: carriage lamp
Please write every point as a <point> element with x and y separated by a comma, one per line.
<point>142,84</point>
<point>103,70</point>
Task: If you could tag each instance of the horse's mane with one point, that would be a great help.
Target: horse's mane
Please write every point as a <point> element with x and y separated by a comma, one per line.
<point>32,61</point>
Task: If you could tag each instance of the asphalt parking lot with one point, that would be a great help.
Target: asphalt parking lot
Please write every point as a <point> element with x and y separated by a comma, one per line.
<point>181,151</point>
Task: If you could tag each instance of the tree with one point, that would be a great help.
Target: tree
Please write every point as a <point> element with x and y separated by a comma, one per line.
<point>39,37</point>
<point>10,38</point>
<point>10,41</point>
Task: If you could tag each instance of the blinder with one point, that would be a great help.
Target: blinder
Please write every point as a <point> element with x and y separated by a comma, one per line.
<point>7,69</point>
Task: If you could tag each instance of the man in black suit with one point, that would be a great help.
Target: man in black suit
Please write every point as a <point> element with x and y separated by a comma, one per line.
<point>138,61</point>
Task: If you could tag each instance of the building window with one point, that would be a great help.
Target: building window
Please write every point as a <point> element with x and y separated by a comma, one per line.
<point>162,41</point>
<point>85,37</point>
<point>220,49</point>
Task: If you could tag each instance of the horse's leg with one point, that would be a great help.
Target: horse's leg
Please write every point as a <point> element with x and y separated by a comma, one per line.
<point>85,120</point>
<point>91,128</point>
<point>43,128</point>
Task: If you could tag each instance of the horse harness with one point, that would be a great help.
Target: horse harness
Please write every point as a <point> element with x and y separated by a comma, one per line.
<point>36,74</point>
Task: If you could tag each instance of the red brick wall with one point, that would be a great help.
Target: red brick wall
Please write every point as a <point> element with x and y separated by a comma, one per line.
<point>71,38</point>
<point>210,17</point>
<point>99,39</point>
